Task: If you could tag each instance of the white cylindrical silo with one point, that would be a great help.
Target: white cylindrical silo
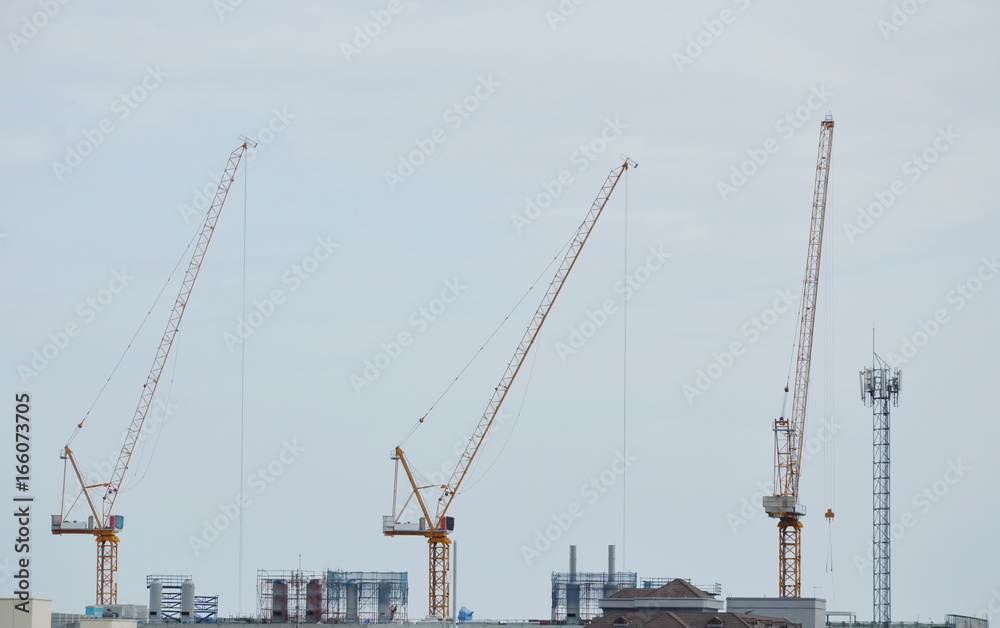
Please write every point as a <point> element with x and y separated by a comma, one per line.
<point>352,602</point>
<point>187,601</point>
<point>155,599</point>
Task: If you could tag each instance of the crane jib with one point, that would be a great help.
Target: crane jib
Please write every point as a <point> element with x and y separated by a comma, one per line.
<point>527,341</point>
<point>103,524</point>
<point>789,432</point>
<point>437,526</point>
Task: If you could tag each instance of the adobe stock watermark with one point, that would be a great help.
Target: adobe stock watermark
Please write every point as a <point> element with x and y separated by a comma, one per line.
<point>420,321</point>
<point>913,170</point>
<point>563,11</point>
<point>224,7</point>
<point>32,25</point>
<point>201,198</point>
<point>626,288</point>
<point>987,612</point>
<point>713,29</point>
<point>786,126</point>
<point>365,34</point>
<point>86,312</point>
<point>899,17</point>
<point>293,278</point>
<point>922,503</point>
<point>121,108</point>
<point>454,117</point>
<point>580,159</point>
<point>159,412</point>
<point>752,507</point>
<point>957,299</point>
<point>230,511</point>
<point>753,330</point>
<point>590,492</point>
<point>442,475</point>
<point>7,569</point>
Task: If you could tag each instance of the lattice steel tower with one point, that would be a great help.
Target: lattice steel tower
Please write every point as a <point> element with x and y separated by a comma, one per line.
<point>879,387</point>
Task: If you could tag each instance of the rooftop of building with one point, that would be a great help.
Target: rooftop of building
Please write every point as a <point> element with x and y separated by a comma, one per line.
<point>674,619</point>
<point>676,588</point>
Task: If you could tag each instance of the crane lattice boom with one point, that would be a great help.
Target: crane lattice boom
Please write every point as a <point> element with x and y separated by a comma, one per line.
<point>173,324</point>
<point>788,433</point>
<point>527,341</point>
<point>438,525</point>
<point>104,525</point>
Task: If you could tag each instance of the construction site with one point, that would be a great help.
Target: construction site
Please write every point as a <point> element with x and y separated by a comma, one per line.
<point>611,598</point>
<point>602,599</point>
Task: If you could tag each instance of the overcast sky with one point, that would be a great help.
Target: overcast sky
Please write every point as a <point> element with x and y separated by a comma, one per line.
<point>418,166</point>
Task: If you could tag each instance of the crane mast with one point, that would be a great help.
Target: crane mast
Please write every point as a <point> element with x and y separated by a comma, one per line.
<point>103,524</point>
<point>788,432</point>
<point>436,527</point>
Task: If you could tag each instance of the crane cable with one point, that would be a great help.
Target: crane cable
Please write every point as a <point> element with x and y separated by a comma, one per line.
<point>792,357</point>
<point>246,177</point>
<point>488,340</point>
<point>129,346</point>
<point>624,380</point>
<point>175,355</point>
<point>531,371</point>
<point>829,448</point>
<point>513,425</point>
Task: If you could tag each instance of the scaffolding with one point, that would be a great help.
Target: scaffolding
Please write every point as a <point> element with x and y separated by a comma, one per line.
<point>332,597</point>
<point>290,597</point>
<point>205,608</point>
<point>583,591</point>
<point>367,596</point>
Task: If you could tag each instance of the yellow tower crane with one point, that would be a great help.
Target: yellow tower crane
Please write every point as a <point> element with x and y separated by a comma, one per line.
<point>788,432</point>
<point>102,523</point>
<point>437,526</point>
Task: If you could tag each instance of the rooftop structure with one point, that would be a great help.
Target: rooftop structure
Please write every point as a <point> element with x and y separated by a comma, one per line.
<point>576,596</point>
<point>950,621</point>
<point>809,612</point>
<point>332,596</point>
<point>677,596</point>
<point>689,619</point>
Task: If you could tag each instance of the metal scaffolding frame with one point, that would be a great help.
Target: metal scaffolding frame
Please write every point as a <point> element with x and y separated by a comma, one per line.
<point>367,596</point>
<point>588,588</point>
<point>206,607</point>
<point>332,597</point>
<point>284,596</point>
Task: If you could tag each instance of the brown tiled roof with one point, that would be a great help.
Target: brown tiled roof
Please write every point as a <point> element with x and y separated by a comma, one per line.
<point>674,588</point>
<point>689,620</point>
